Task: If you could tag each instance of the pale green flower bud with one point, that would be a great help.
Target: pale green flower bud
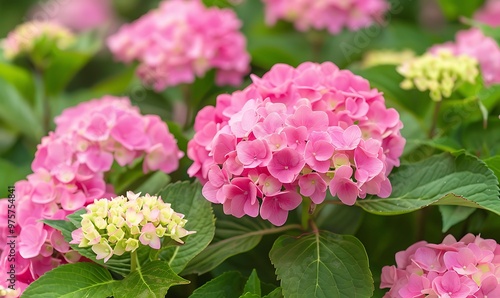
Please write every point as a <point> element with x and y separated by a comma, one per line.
<point>439,73</point>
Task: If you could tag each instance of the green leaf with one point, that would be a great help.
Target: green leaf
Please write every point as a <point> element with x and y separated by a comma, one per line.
<point>64,64</point>
<point>19,78</point>
<point>276,293</point>
<point>73,281</point>
<point>443,179</point>
<point>322,264</point>
<point>454,9</point>
<point>233,236</point>
<point>252,285</point>
<point>10,173</point>
<point>154,184</point>
<point>151,280</point>
<point>494,164</point>
<point>17,113</point>
<point>187,199</point>
<point>451,215</point>
<point>227,285</point>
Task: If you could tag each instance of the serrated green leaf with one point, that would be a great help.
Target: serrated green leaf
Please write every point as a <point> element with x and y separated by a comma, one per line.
<point>187,199</point>
<point>149,281</point>
<point>252,285</point>
<point>443,179</point>
<point>322,264</point>
<point>451,215</point>
<point>227,285</point>
<point>17,113</point>
<point>233,236</point>
<point>73,281</point>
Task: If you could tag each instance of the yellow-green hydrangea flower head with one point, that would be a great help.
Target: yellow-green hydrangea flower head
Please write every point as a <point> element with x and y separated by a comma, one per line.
<point>25,36</point>
<point>387,57</point>
<point>122,224</point>
<point>439,73</point>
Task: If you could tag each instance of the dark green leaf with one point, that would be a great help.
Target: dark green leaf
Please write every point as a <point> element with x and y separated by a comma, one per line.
<point>149,281</point>
<point>187,199</point>
<point>73,281</point>
<point>443,179</point>
<point>451,215</point>
<point>252,285</point>
<point>322,265</point>
<point>227,285</point>
<point>276,293</point>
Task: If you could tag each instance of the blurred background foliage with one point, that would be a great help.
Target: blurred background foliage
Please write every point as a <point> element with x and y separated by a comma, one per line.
<point>411,24</point>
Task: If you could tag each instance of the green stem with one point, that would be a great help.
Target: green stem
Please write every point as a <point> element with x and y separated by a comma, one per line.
<point>317,41</point>
<point>187,100</point>
<point>435,118</point>
<point>306,214</point>
<point>134,261</point>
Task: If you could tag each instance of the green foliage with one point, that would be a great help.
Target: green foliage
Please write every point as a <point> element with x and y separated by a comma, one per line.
<point>73,280</point>
<point>322,264</point>
<point>150,281</point>
<point>187,199</point>
<point>443,179</point>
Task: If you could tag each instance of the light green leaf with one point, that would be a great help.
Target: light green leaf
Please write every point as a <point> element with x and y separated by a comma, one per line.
<point>451,215</point>
<point>252,285</point>
<point>227,285</point>
<point>187,199</point>
<point>454,9</point>
<point>233,236</point>
<point>443,179</point>
<point>322,264</point>
<point>19,78</point>
<point>494,164</point>
<point>276,293</point>
<point>17,113</point>
<point>149,281</point>
<point>73,281</point>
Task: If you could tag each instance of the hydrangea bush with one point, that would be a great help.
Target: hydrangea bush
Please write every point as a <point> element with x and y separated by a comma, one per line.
<point>245,148</point>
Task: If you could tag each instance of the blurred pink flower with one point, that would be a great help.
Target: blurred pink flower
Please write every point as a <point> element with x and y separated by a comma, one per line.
<point>68,173</point>
<point>489,13</point>
<point>475,44</point>
<point>182,40</point>
<point>295,131</point>
<point>465,268</point>
<point>78,15</point>
<point>332,15</point>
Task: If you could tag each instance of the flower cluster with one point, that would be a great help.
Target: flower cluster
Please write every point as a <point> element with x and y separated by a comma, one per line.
<point>332,15</point>
<point>8,292</point>
<point>439,73</point>
<point>24,38</point>
<point>113,227</point>
<point>475,44</point>
<point>295,131</point>
<point>460,269</point>
<point>68,174</point>
<point>386,57</point>
<point>489,14</point>
<point>182,40</point>
<point>78,15</point>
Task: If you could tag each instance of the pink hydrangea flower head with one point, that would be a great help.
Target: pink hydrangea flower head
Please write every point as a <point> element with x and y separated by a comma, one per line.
<point>489,14</point>
<point>484,49</point>
<point>182,40</point>
<point>332,15</point>
<point>78,15</point>
<point>68,174</point>
<point>465,268</point>
<point>295,132</point>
